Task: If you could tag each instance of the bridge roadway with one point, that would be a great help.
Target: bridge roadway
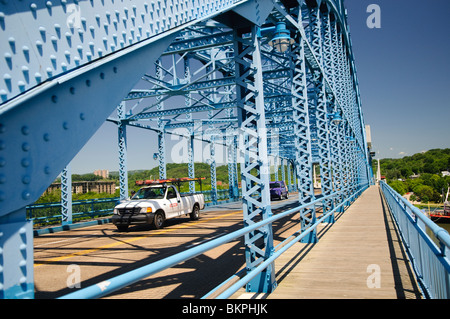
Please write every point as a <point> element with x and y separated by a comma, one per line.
<point>340,265</point>
<point>101,252</point>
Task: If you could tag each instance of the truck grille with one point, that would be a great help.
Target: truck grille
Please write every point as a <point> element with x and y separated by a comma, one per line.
<point>129,210</point>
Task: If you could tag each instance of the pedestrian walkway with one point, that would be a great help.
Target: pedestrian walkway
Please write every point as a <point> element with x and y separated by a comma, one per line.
<point>359,256</point>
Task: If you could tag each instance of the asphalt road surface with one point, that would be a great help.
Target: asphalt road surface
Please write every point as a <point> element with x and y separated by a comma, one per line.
<point>70,260</point>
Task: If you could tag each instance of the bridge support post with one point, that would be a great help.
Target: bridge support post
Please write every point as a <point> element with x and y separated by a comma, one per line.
<point>303,152</point>
<point>187,104</point>
<point>122,143</point>
<point>66,196</point>
<point>255,167</point>
<point>16,256</point>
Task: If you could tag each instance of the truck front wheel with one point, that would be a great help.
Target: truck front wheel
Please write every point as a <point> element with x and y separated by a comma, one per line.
<point>195,213</point>
<point>158,220</point>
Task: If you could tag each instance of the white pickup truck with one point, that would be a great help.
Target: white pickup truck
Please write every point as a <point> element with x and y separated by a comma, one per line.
<point>152,205</point>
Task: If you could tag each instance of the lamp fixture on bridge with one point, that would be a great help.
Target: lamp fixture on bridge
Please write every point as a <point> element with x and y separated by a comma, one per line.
<point>336,118</point>
<point>350,139</point>
<point>282,38</point>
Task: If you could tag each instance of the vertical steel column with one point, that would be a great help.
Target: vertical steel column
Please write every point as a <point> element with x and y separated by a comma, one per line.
<point>212,145</point>
<point>161,127</point>
<point>231,162</point>
<point>283,173</point>
<point>66,196</point>
<point>303,155</point>
<point>321,107</point>
<point>289,181</point>
<point>275,166</point>
<point>187,103</point>
<point>122,144</point>
<point>255,186</point>
<point>16,256</point>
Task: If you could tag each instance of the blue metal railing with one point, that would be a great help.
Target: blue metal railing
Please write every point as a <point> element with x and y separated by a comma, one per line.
<point>430,261</point>
<point>50,213</point>
<point>121,281</point>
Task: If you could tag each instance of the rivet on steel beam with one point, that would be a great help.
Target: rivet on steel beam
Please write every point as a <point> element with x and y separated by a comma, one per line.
<point>54,41</point>
<point>26,53</point>
<point>26,195</point>
<point>26,180</point>
<point>92,30</point>
<point>67,55</point>
<point>80,51</point>
<point>53,60</point>
<point>68,38</point>
<point>39,47</point>
<point>21,86</point>
<point>25,130</point>
<point>38,77</point>
<point>25,162</point>
<point>12,44</point>
<point>58,30</point>
<point>42,31</point>
<point>81,34</point>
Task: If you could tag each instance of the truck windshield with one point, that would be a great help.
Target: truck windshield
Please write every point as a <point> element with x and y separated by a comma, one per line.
<point>274,185</point>
<point>150,193</point>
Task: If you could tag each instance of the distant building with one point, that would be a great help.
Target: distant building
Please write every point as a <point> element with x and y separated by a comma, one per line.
<point>108,187</point>
<point>102,172</point>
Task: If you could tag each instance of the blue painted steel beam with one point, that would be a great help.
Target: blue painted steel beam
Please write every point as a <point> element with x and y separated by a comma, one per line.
<point>251,114</point>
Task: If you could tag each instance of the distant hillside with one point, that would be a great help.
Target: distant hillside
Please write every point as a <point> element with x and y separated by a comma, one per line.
<point>177,171</point>
<point>433,162</point>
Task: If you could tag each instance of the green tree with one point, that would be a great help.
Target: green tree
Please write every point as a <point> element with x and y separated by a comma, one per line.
<point>399,187</point>
<point>424,192</point>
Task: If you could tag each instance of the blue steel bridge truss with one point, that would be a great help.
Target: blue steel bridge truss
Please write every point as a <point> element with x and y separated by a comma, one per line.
<point>206,71</point>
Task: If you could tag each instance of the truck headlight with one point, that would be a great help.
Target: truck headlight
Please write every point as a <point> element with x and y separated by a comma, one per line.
<point>146,210</point>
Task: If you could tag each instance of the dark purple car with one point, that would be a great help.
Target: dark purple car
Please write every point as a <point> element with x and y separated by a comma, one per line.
<point>278,190</point>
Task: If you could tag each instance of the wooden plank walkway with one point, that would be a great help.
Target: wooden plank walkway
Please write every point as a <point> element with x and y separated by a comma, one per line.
<point>359,257</point>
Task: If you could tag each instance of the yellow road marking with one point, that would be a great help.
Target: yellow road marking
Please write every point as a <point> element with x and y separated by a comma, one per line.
<point>159,232</point>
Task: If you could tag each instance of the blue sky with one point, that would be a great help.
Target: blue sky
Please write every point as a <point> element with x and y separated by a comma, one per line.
<point>404,78</point>
<point>404,74</point>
